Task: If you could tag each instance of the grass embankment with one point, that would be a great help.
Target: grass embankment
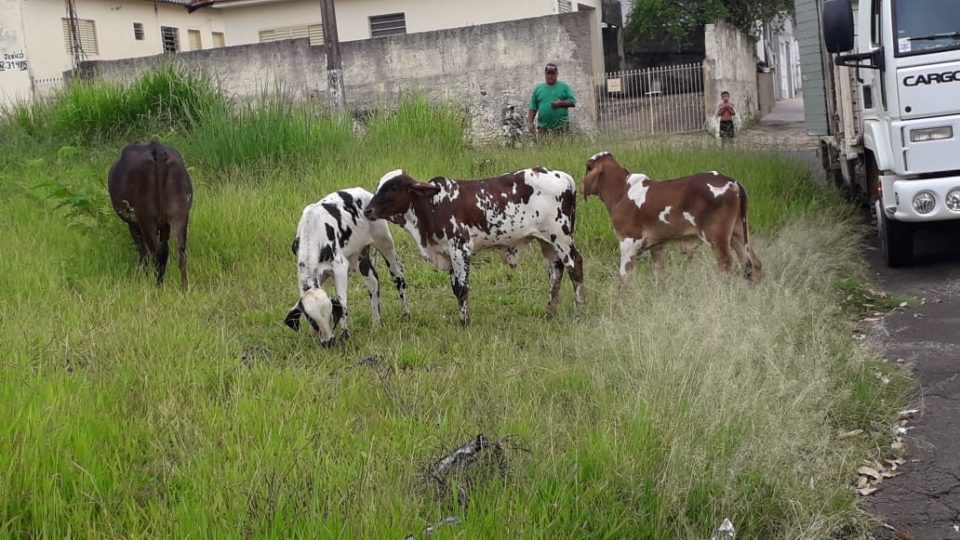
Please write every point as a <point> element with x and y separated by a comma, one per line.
<point>654,412</point>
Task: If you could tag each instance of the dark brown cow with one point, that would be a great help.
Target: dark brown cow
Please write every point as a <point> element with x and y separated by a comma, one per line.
<point>151,191</point>
<point>703,208</point>
<point>451,220</point>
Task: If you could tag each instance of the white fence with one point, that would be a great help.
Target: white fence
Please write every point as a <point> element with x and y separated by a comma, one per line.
<point>46,87</point>
<point>657,100</point>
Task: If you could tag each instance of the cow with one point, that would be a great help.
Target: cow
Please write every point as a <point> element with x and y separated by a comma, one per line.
<point>703,208</point>
<point>334,239</point>
<point>451,220</point>
<point>150,190</point>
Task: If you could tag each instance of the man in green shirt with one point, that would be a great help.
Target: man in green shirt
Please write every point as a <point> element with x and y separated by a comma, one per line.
<point>549,104</point>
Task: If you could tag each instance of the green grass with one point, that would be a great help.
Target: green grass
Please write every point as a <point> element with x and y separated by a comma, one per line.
<point>654,412</point>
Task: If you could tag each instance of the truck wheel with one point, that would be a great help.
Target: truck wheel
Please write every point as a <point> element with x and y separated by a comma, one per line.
<point>896,239</point>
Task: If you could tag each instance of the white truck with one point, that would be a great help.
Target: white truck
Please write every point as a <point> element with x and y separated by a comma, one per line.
<point>881,83</point>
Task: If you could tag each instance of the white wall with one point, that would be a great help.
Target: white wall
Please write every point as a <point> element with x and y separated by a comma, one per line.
<point>15,74</point>
<point>245,20</point>
<point>484,68</point>
<point>114,28</point>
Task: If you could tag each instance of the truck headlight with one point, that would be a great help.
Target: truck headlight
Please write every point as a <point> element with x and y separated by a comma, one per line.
<point>931,134</point>
<point>953,200</point>
<point>924,202</point>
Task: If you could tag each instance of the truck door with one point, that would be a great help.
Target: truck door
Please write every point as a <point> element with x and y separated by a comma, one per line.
<point>873,88</point>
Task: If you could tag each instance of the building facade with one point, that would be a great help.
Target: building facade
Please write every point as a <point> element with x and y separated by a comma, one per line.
<point>39,41</point>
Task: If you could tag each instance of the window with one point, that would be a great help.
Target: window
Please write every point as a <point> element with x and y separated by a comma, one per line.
<point>193,37</point>
<point>171,39</point>
<point>218,40</point>
<point>916,31</point>
<point>312,31</point>
<point>388,25</point>
<point>564,6</point>
<point>138,31</point>
<point>86,37</point>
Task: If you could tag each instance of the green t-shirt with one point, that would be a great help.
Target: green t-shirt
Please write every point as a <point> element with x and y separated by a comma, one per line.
<point>545,94</point>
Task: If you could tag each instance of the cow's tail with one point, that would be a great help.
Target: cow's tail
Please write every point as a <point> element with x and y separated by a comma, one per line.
<point>743,213</point>
<point>159,155</point>
<point>752,266</point>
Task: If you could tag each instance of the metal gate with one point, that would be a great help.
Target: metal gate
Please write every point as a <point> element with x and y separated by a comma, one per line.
<point>657,100</point>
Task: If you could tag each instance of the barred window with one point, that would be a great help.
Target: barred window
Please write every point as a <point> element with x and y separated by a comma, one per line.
<point>388,25</point>
<point>171,39</point>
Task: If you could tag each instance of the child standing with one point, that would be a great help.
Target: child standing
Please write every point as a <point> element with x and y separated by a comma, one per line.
<point>726,112</point>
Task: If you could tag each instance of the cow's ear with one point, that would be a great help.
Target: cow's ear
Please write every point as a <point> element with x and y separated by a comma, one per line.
<point>425,189</point>
<point>293,317</point>
<point>590,186</point>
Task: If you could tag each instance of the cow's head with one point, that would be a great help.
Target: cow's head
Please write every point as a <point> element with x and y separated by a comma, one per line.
<point>395,195</point>
<point>598,167</point>
<point>321,313</point>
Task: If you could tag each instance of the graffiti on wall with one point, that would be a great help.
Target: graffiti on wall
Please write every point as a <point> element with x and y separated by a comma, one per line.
<point>15,61</point>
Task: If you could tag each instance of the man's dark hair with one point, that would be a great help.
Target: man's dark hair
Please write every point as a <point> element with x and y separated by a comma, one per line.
<point>724,93</point>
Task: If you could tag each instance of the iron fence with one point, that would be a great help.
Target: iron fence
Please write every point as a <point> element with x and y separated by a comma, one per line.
<point>658,100</point>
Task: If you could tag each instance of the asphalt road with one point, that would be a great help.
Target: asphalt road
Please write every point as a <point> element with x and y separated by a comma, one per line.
<point>924,501</point>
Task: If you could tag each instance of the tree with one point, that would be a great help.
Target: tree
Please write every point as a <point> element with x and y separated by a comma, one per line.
<point>677,19</point>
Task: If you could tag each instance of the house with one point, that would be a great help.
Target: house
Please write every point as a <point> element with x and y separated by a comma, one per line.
<point>779,49</point>
<point>43,41</point>
<point>49,41</point>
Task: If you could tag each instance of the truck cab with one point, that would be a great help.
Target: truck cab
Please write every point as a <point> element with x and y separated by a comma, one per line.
<point>901,122</point>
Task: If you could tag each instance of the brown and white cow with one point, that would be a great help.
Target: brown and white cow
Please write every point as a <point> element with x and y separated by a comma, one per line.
<point>702,208</point>
<point>451,220</point>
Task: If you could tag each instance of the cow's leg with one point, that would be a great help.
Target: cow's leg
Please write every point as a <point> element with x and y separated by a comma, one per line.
<point>689,247</point>
<point>460,280</point>
<point>138,242</point>
<point>629,248</point>
<point>369,273</point>
<point>163,252</point>
<point>721,250</point>
<point>341,272</point>
<point>573,262</point>
<point>384,244</point>
<point>555,271</point>
<point>659,255</point>
<point>180,233</point>
<point>150,235</point>
<point>749,262</point>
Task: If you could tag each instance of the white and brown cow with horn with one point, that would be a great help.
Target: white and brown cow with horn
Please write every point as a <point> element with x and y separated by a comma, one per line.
<point>702,208</point>
<point>452,220</point>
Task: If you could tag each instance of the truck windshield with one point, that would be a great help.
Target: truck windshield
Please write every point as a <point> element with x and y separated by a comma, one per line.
<point>925,26</point>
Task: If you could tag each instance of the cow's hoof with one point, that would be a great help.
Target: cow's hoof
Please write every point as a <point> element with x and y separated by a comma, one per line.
<point>405,317</point>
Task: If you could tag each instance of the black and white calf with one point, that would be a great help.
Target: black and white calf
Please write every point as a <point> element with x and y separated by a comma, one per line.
<point>451,220</point>
<point>334,239</point>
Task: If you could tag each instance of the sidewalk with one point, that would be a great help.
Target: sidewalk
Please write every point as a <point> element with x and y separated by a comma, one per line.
<point>783,127</point>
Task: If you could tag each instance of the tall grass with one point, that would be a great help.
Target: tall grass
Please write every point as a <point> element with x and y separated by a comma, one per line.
<point>655,412</point>
<point>269,133</point>
<point>168,98</point>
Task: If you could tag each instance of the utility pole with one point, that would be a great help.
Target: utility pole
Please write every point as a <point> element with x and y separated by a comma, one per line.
<point>331,45</point>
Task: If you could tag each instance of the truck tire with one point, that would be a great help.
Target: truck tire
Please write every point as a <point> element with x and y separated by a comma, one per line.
<point>896,239</point>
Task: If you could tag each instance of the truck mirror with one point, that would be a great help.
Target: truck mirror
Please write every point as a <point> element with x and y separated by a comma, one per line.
<point>838,26</point>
